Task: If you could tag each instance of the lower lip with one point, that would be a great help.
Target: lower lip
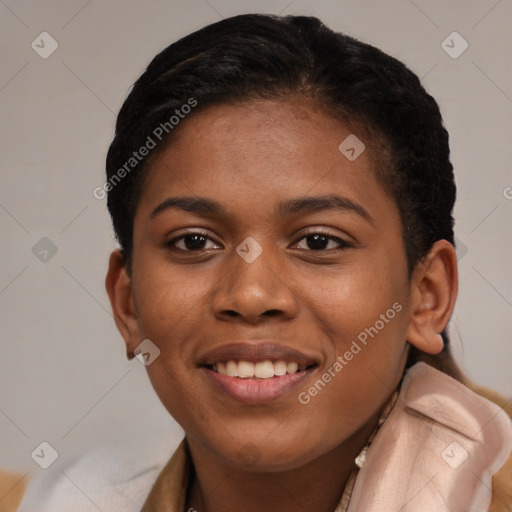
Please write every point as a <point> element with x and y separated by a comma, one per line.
<point>257,391</point>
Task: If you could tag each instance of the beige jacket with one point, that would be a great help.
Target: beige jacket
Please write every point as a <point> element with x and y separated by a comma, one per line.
<point>443,448</point>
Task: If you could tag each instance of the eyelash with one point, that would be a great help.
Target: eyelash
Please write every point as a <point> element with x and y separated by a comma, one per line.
<point>343,244</point>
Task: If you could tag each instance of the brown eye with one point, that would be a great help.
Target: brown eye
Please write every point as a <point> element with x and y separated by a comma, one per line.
<point>317,242</point>
<point>322,242</point>
<point>191,242</point>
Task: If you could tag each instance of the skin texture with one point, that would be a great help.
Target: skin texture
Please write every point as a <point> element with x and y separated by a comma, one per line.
<point>249,157</point>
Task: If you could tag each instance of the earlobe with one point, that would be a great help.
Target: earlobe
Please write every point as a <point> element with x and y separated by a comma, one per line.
<point>434,286</point>
<point>119,288</point>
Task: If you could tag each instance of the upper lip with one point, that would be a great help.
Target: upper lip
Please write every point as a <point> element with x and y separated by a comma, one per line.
<point>255,351</point>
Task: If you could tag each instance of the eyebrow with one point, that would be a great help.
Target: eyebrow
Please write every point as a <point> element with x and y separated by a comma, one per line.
<point>188,204</point>
<point>323,203</point>
<point>206,206</point>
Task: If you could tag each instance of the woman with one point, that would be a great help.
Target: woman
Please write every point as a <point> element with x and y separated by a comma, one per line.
<point>282,195</point>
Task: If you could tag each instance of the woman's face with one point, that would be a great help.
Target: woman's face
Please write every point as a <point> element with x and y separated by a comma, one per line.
<point>287,249</point>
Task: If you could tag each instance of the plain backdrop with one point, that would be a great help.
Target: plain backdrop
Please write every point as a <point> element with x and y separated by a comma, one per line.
<point>64,378</point>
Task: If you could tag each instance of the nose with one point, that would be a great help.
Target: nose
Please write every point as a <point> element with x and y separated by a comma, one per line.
<point>253,292</point>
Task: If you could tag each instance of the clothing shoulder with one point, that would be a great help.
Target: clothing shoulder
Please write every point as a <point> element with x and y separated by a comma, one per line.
<point>443,447</point>
<point>110,477</point>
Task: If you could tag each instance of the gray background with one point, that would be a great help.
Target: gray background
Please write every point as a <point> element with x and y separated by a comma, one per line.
<point>64,377</point>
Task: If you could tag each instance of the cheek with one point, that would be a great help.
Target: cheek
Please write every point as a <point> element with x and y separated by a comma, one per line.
<point>176,391</point>
<point>350,302</point>
<point>364,315</point>
<point>169,302</point>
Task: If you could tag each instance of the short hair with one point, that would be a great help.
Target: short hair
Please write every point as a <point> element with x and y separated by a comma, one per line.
<point>257,56</point>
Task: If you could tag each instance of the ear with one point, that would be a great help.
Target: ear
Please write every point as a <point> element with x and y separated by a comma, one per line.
<point>119,289</point>
<point>434,286</point>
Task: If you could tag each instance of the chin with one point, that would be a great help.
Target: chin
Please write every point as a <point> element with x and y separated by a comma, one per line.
<point>259,455</point>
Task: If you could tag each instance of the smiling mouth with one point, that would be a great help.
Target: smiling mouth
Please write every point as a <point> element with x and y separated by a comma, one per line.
<point>260,370</point>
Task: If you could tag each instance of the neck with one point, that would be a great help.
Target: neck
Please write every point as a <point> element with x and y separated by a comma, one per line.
<point>218,486</point>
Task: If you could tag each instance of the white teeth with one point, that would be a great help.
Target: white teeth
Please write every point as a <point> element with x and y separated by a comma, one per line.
<point>280,368</point>
<point>291,368</point>
<point>245,369</point>
<point>261,370</point>
<point>264,370</point>
<point>232,368</point>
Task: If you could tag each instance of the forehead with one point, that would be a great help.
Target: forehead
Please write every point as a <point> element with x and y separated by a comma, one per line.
<point>263,150</point>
